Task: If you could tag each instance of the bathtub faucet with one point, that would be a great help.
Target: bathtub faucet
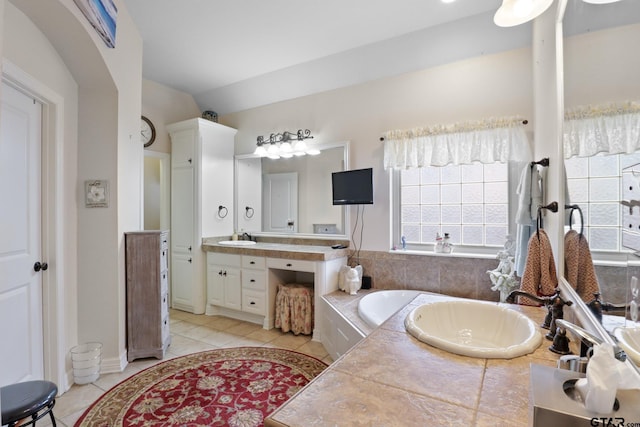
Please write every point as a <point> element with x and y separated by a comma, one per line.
<point>554,303</point>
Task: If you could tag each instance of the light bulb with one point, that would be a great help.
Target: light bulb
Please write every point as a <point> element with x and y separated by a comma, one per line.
<point>260,151</point>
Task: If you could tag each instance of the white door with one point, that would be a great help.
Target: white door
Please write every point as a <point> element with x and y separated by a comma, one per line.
<point>21,350</point>
<point>280,210</point>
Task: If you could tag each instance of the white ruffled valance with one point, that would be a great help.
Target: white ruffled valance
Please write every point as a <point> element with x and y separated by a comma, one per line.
<point>489,141</point>
<point>610,129</point>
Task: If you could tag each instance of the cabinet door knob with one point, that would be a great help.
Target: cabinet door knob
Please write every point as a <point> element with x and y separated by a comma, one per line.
<point>289,265</point>
<point>189,260</point>
<point>252,262</point>
<point>190,161</point>
<point>252,303</point>
<point>189,248</point>
<point>225,273</point>
<point>252,280</point>
<point>220,273</point>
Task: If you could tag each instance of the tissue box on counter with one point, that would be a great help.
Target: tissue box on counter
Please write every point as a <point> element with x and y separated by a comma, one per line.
<point>555,402</point>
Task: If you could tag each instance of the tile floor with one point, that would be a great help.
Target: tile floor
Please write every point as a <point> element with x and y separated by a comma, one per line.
<point>190,333</point>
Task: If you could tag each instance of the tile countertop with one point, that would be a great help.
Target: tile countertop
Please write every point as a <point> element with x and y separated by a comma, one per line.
<point>390,377</point>
<point>278,250</point>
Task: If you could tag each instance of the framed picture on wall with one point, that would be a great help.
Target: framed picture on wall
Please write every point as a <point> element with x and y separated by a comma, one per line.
<point>102,15</point>
<point>96,193</point>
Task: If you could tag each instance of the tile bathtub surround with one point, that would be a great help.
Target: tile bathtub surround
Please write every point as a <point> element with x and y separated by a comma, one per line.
<point>454,276</point>
<point>391,377</point>
<point>190,333</point>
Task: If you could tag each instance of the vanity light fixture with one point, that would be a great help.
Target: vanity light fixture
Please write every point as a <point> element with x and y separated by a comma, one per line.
<point>285,145</point>
<point>516,12</point>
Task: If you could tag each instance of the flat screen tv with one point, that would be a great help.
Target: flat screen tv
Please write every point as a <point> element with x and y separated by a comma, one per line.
<point>354,187</point>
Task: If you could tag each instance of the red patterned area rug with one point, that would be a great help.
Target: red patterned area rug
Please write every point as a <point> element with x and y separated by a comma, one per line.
<point>227,387</point>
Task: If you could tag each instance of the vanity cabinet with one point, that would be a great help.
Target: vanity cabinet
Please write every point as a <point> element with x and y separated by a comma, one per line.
<point>201,203</point>
<point>236,282</point>
<point>223,281</point>
<point>147,284</point>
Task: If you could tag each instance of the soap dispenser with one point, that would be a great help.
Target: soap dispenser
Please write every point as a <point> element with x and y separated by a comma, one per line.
<point>234,236</point>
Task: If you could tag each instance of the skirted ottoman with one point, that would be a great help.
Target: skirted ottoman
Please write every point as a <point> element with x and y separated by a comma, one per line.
<point>294,308</point>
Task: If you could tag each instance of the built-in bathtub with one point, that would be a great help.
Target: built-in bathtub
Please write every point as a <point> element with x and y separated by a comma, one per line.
<point>377,307</point>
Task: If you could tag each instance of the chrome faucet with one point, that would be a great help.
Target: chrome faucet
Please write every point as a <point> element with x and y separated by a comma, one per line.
<point>246,236</point>
<point>585,336</point>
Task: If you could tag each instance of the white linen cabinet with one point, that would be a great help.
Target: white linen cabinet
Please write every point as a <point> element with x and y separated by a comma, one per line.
<point>201,203</point>
<point>147,278</point>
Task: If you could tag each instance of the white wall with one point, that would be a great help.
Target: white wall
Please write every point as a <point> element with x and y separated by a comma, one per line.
<point>164,105</point>
<point>476,88</point>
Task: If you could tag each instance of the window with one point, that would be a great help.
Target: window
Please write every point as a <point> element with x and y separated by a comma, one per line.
<point>595,184</point>
<point>470,202</point>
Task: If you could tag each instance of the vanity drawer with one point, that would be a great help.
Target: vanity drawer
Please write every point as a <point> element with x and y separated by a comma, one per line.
<point>255,280</point>
<point>254,262</point>
<point>230,260</point>
<point>253,302</point>
<point>291,264</point>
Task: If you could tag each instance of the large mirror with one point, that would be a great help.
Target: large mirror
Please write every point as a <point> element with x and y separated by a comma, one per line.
<point>291,196</point>
<point>594,182</point>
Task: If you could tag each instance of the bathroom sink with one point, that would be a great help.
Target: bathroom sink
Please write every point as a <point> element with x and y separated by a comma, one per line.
<point>629,340</point>
<point>237,242</point>
<point>474,328</point>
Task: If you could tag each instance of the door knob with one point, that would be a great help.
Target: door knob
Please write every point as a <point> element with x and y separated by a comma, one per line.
<point>40,266</point>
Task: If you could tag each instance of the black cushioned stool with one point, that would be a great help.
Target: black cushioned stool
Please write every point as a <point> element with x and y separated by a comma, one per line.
<point>30,399</point>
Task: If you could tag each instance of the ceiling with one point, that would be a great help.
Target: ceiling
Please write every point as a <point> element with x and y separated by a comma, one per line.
<point>236,55</point>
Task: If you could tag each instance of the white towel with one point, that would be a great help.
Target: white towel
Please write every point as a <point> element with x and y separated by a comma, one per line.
<point>529,193</point>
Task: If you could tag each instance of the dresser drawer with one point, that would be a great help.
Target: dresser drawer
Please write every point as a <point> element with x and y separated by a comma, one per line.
<point>254,302</point>
<point>291,264</point>
<point>165,328</point>
<point>164,281</point>
<point>164,258</point>
<point>164,305</point>
<point>255,280</point>
<point>254,262</point>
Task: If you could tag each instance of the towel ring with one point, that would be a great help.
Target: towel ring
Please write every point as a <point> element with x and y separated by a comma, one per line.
<point>222,211</point>
<point>248,212</point>
<point>553,207</point>
<point>574,208</point>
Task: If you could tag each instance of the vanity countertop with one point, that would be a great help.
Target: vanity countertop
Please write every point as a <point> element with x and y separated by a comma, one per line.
<point>390,377</point>
<point>278,250</point>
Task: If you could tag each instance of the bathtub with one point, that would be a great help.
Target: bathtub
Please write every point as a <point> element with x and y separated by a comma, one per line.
<point>377,307</point>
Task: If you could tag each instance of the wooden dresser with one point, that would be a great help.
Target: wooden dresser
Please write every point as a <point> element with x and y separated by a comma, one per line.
<point>146,257</point>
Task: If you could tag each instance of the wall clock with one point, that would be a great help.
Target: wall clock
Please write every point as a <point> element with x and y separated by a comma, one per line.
<point>147,131</point>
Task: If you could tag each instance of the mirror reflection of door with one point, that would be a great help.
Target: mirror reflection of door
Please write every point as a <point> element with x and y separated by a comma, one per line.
<point>280,191</point>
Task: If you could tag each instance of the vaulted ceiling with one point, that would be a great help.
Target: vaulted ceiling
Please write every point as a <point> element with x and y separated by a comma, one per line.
<point>236,55</point>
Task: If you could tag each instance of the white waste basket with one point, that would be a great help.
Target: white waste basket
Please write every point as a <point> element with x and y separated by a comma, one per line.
<point>85,359</point>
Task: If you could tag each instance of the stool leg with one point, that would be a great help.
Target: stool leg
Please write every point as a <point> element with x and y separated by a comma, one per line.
<point>53,420</point>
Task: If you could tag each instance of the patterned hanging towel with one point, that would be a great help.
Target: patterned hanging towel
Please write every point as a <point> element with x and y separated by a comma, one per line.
<point>578,266</point>
<point>539,277</point>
